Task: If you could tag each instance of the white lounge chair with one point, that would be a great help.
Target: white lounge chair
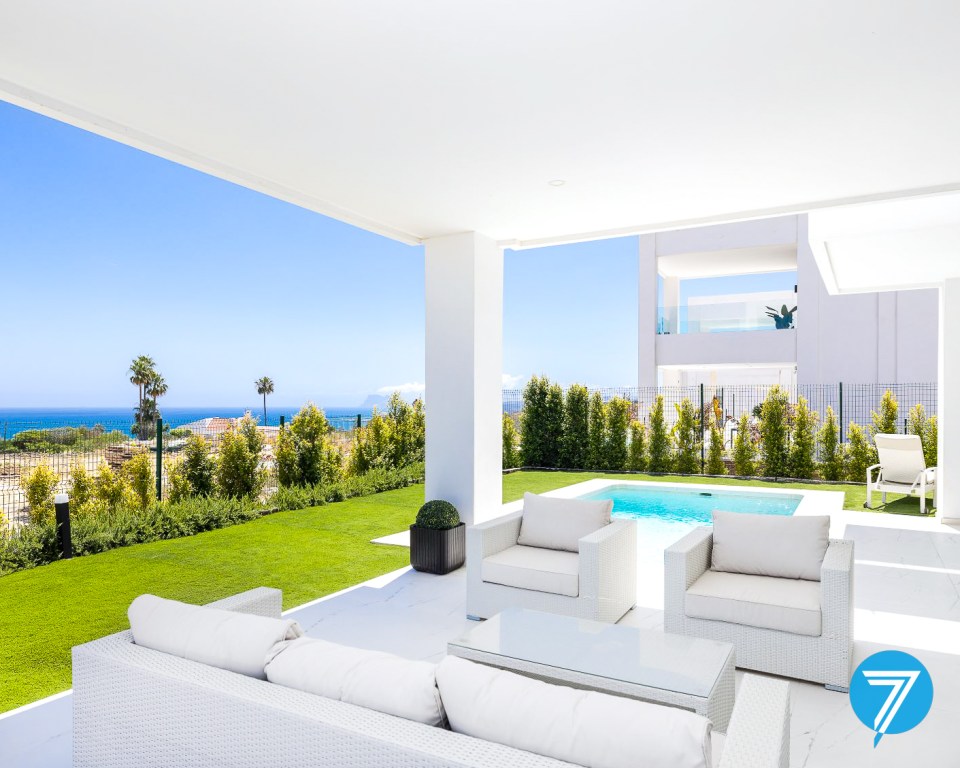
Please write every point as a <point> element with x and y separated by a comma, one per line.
<point>902,469</point>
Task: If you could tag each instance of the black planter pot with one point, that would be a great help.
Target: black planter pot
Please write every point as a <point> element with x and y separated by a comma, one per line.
<point>434,551</point>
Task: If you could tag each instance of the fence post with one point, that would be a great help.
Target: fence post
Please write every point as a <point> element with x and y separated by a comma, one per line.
<point>359,420</point>
<point>282,420</point>
<point>159,459</point>
<point>702,441</point>
<point>841,412</point>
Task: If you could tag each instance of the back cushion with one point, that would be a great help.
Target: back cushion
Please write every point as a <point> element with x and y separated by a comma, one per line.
<point>237,642</point>
<point>369,679</point>
<point>582,727</point>
<point>552,523</point>
<point>770,545</point>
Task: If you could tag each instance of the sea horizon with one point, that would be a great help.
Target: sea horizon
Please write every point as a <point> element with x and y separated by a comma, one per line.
<point>14,420</point>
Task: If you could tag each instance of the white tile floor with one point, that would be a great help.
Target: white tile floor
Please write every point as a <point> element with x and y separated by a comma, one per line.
<point>907,596</point>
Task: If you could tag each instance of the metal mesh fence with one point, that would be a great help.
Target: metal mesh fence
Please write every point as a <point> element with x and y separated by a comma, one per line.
<point>62,447</point>
<point>850,402</point>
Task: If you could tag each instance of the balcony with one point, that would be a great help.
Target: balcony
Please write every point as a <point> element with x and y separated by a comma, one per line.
<point>729,314</point>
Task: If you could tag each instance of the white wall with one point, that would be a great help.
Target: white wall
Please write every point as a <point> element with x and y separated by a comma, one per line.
<point>742,348</point>
<point>883,338</point>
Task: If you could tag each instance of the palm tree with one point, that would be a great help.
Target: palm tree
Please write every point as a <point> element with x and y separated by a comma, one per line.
<point>264,387</point>
<point>142,369</point>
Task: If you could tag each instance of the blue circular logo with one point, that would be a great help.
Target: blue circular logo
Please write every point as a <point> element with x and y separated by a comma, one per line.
<point>891,692</point>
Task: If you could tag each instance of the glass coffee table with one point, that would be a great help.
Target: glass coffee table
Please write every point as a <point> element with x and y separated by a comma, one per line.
<point>679,671</point>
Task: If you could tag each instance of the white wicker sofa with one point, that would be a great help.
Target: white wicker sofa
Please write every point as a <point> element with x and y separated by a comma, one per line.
<point>801,627</point>
<point>590,576</point>
<point>134,706</point>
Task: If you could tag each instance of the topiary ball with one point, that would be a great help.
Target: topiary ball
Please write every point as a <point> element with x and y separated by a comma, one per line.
<point>438,514</point>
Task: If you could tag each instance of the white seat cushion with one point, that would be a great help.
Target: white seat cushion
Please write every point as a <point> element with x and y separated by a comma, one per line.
<point>790,605</point>
<point>554,523</point>
<point>770,545</point>
<point>582,727</point>
<point>541,570</point>
<point>238,642</point>
<point>370,679</point>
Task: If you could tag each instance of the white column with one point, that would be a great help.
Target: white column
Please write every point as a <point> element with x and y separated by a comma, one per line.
<point>647,314</point>
<point>464,376</point>
<point>948,392</point>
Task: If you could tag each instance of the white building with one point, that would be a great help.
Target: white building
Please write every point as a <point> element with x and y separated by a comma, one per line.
<point>728,338</point>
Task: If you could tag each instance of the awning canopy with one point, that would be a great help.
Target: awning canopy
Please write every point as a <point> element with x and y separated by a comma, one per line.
<point>531,122</point>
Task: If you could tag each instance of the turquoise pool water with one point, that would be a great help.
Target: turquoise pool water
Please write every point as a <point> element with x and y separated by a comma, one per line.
<point>665,515</point>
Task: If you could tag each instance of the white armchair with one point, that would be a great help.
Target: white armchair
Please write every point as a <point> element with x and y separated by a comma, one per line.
<point>792,627</point>
<point>598,582</point>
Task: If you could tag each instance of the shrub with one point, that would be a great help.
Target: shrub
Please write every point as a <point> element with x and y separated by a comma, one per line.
<point>885,420</point>
<point>715,464</point>
<point>576,428</point>
<point>553,428</point>
<point>178,486</point>
<point>140,476</point>
<point>238,474</point>
<point>439,515</point>
<point>81,487</point>
<point>39,486</point>
<point>832,454</point>
<point>617,428</point>
<point>535,448</point>
<point>597,433</point>
<point>660,442</point>
<point>372,448</point>
<point>926,429</point>
<point>408,435</point>
<point>637,454</point>
<point>110,488</point>
<point>774,433</point>
<point>304,453</point>
<point>801,462</point>
<point>686,436</point>
<point>180,432</point>
<point>511,453</point>
<point>744,448</point>
<point>197,469</point>
<point>860,453</point>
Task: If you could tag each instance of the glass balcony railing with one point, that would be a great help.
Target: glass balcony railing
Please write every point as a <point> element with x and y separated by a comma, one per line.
<point>729,316</point>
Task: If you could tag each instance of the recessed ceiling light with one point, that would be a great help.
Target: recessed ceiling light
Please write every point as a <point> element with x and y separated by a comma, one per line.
<point>556,182</point>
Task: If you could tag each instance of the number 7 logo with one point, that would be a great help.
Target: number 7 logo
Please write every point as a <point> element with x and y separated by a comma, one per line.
<point>900,684</point>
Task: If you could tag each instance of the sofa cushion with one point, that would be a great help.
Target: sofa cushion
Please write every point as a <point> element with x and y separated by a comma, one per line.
<point>770,545</point>
<point>790,605</point>
<point>238,642</point>
<point>542,570</point>
<point>553,523</point>
<point>583,727</point>
<point>370,679</point>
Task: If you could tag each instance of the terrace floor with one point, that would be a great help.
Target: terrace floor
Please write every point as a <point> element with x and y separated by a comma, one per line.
<point>907,596</point>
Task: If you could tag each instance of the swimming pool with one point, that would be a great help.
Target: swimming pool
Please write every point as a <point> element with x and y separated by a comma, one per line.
<point>665,514</point>
<point>693,505</point>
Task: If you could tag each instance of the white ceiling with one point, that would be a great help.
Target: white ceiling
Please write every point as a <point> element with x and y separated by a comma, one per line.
<point>733,261</point>
<point>427,117</point>
<point>890,245</point>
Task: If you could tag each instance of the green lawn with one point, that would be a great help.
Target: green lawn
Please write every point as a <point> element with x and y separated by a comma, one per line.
<point>306,553</point>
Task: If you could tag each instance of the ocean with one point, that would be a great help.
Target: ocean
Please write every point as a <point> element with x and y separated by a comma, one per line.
<point>14,420</point>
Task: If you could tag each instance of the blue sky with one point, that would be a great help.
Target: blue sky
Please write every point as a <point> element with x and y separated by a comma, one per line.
<point>108,252</point>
